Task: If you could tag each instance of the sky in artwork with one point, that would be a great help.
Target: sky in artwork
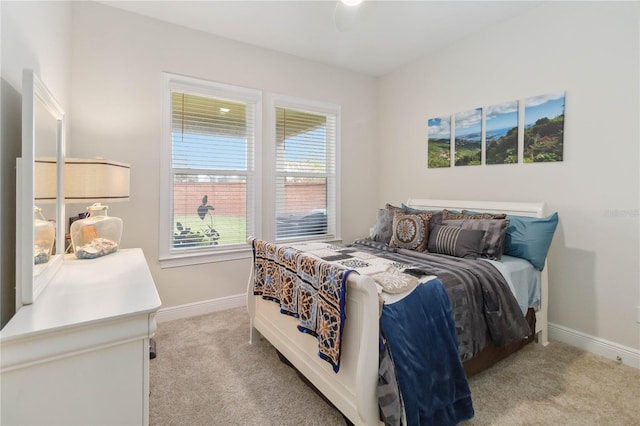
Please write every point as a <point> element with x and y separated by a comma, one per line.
<point>502,116</point>
<point>439,127</point>
<point>549,105</point>
<point>469,123</point>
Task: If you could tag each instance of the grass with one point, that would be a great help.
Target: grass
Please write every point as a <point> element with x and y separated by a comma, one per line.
<point>232,229</point>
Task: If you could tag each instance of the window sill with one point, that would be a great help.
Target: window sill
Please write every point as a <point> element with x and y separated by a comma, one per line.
<point>197,258</point>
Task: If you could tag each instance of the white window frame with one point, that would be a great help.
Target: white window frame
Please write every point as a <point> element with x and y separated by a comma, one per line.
<point>269,185</point>
<point>168,256</point>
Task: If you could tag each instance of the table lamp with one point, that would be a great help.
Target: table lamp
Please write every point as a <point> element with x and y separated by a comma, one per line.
<point>95,180</point>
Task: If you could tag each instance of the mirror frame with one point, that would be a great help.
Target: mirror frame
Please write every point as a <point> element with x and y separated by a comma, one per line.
<point>29,284</point>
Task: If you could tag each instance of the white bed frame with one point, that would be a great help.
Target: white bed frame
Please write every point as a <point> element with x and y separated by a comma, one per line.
<point>353,389</point>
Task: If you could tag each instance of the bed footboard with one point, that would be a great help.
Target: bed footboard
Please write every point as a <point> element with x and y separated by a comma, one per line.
<point>353,389</point>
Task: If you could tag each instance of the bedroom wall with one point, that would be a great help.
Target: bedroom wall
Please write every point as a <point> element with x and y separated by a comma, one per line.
<point>35,35</point>
<point>591,50</point>
<point>117,60</point>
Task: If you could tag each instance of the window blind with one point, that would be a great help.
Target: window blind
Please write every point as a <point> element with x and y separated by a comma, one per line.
<point>212,167</point>
<point>305,173</point>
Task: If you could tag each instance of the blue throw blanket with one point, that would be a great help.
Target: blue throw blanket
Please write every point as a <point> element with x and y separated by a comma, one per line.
<point>422,339</point>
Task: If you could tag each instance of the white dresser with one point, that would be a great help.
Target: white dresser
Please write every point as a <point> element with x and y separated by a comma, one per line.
<point>80,354</point>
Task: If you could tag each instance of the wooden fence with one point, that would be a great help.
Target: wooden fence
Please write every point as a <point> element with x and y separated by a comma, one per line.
<point>229,198</point>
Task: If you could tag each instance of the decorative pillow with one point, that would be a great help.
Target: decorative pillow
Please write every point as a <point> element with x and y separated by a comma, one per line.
<point>455,241</point>
<point>436,219</point>
<point>495,231</point>
<point>467,214</point>
<point>436,215</point>
<point>410,231</point>
<point>392,207</point>
<point>530,238</point>
<point>383,228</point>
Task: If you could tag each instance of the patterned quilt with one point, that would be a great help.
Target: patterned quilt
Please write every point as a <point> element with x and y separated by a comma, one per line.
<point>308,280</point>
<point>306,288</point>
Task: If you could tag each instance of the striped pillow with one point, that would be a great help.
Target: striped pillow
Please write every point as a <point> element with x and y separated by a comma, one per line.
<point>455,241</point>
<point>495,231</point>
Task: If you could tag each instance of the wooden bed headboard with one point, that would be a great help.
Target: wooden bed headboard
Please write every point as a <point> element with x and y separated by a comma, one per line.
<point>513,208</point>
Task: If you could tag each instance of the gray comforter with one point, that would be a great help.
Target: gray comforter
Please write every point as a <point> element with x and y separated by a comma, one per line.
<point>484,309</point>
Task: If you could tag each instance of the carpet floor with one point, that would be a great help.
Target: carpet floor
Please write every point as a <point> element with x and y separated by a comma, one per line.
<point>206,373</point>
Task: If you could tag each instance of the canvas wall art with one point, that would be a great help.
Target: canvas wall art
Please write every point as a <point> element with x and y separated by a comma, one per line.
<point>468,138</point>
<point>528,130</point>
<point>501,133</point>
<point>439,142</point>
<point>544,128</point>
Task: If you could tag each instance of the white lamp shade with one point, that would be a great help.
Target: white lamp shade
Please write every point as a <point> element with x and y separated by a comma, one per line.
<point>95,179</point>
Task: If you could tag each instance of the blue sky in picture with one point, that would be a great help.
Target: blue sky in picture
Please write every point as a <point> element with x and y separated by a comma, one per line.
<point>469,125</point>
<point>550,105</point>
<point>501,118</point>
<point>439,128</point>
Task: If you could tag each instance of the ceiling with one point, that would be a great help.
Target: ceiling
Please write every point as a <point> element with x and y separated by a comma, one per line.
<point>374,38</point>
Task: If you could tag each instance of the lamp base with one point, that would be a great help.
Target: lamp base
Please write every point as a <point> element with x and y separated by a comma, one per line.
<point>96,248</point>
<point>97,235</point>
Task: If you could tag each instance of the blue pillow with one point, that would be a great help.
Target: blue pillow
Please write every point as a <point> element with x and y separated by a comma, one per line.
<point>530,237</point>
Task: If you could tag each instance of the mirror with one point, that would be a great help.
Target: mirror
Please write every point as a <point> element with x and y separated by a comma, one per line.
<point>40,189</point>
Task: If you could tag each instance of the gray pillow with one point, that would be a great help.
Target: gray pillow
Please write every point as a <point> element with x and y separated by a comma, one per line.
<point>455,241</point>
<point>495,231</point>
<point>383,228</point>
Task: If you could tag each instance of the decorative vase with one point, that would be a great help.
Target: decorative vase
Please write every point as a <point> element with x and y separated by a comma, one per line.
<point>96,235</point>
<point>44,235</point>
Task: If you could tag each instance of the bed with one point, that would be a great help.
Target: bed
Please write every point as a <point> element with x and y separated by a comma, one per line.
<point>352,388</point>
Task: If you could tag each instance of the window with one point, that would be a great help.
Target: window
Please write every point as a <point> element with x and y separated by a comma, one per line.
<point>306,138</point>
<point>208,193</point>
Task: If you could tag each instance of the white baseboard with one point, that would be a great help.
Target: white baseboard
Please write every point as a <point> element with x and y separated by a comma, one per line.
<point>201,308</point>
<point>596,345</point>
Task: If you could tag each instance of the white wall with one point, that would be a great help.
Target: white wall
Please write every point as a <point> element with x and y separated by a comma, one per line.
<point>117,60</point>
<point>591,50</point>
<point>35,35</point>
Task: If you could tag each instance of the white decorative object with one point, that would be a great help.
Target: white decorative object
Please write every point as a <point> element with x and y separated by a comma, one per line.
<point>96,179</point>
<point>80,355</point>
<point>96,235</point>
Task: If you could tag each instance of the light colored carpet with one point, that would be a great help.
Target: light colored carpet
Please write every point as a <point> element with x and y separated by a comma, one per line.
<point>206,373</point>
